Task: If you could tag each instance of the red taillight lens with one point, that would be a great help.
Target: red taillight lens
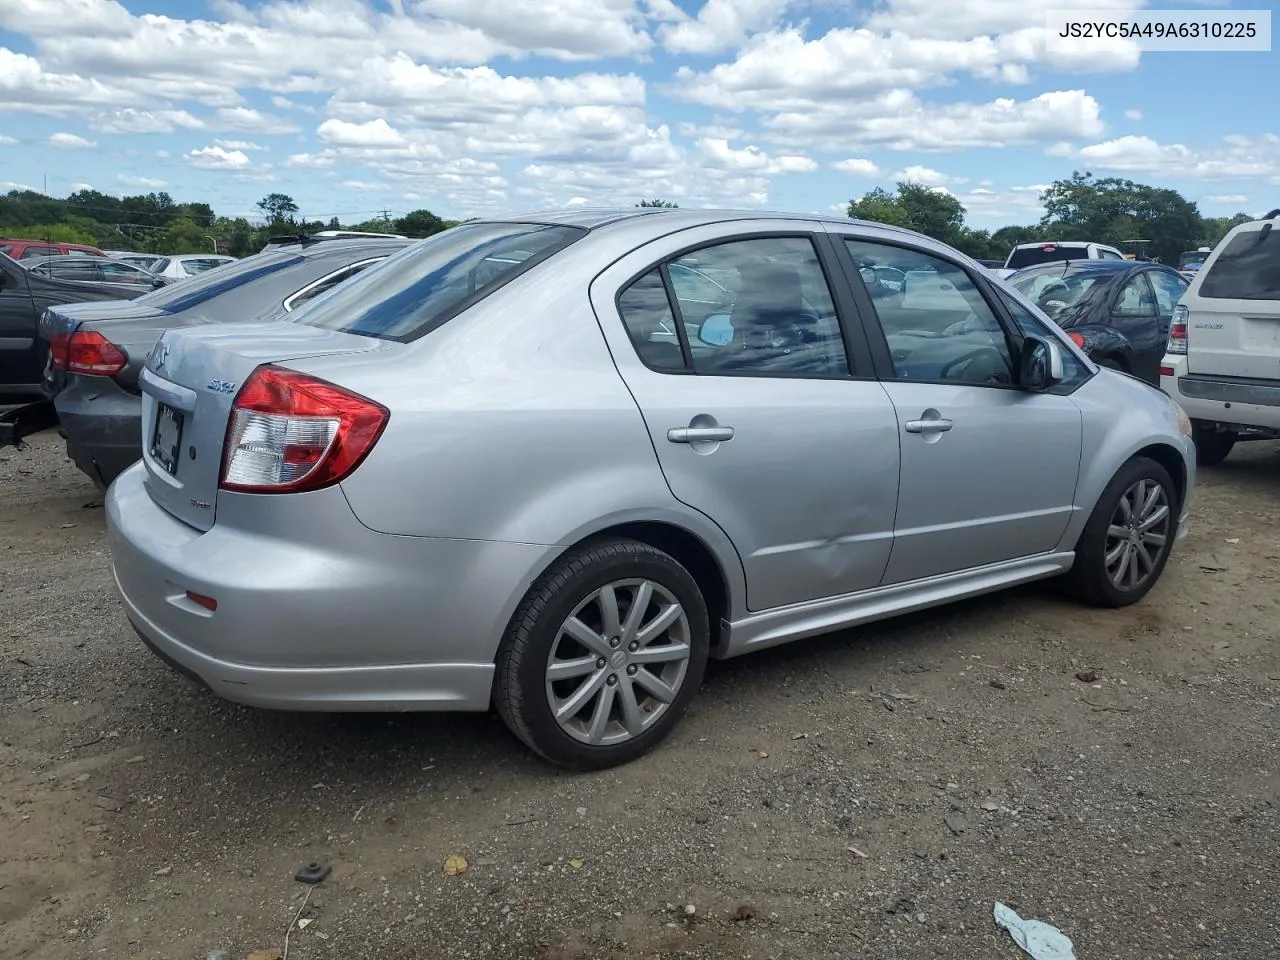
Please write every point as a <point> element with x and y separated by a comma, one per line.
<point>290,432</point>
<point>87,352</point>
<point>1166,371</point>
<point>200,599</point>
<point>1177,339</point>
<point>1077,339</point>
<point>1049,247</point>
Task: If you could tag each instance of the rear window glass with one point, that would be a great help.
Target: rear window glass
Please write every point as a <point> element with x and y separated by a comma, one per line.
<point>198,289</point>
<point>1029,256</point>
<point>414,291</point>
<point>1248,269</point>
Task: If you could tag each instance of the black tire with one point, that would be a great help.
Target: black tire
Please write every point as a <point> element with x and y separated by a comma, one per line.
<point>1212,446</point>
<point>1088,579</point>
<point>520,682</point>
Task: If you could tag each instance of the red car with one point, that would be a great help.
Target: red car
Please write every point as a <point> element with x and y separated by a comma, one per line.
<point>29,249</point>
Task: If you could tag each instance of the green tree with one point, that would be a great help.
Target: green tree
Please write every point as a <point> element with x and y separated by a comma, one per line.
<point>879,206</point>
<point>1213,229</point>
<point>665,204</point>
<point>419,223</point>
<point>278,208</point>
<point>1111,210</point>
<point>915,206</point>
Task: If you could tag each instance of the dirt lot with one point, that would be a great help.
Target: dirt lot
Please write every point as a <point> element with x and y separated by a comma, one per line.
<point>870,794</point>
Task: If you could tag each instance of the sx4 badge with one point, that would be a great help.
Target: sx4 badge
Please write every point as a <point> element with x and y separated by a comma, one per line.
<point>221,386</point>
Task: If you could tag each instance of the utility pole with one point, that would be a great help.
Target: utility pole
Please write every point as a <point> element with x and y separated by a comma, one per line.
<point>386,216</point>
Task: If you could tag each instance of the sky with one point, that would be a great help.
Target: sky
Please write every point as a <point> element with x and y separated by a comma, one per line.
<point>480,107</point>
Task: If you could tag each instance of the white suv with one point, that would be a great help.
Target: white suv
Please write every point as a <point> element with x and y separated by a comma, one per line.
<point>1032,254</point>
<point>1222,363</point>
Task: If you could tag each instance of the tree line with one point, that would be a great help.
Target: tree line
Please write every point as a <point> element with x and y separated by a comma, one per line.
<point>1106,210</point>
<point>1080,207</point>
<point>156,223</point>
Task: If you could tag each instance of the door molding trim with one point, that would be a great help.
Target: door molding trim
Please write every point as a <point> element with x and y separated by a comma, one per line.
<point>771,628</point>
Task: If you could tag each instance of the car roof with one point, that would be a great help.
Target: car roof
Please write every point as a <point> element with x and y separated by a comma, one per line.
<point>337,245</point>
<point>1076,267</point>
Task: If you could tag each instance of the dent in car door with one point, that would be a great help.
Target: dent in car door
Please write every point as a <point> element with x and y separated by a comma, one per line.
<point>763,430</point>
<point>988,471</point>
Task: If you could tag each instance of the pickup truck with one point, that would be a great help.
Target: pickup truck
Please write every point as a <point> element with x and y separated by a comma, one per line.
<point>24,296</point>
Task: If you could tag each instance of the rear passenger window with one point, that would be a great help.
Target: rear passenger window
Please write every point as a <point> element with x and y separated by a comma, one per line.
<point>1136,299</point>
<point>651,323</point>
<point>1248,269</point>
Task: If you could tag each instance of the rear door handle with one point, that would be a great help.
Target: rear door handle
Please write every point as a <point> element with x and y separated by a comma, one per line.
<point>928,426</point>
<point>699,434</point>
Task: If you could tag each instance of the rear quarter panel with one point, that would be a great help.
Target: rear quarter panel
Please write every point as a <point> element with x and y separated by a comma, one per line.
<point>511,423</point>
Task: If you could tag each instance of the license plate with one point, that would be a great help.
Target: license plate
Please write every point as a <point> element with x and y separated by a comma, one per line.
<point>168,437</point>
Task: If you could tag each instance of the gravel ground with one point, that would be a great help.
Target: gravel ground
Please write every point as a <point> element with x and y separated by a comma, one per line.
<point>868,794</point>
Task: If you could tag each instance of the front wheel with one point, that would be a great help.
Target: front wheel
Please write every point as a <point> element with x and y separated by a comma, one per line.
<point>1126,543</point>
<point>1212,446</point>
<point>603,655</point>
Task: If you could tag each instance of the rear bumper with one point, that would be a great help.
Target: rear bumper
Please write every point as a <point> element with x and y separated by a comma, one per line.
<point>359,621</point>
<point>103,427</point>
<point>1221,400</point>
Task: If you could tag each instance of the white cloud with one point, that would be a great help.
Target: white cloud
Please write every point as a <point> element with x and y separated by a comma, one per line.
<point>162,154</point>
<point>7,141</point>
<point>142,183</point>
<point>857,167</point>
<point>216,158</point>
<point>988,208</point>
<point>899,120</point>
<point>132,120</point>
<point>1226,199</point>
<point>7,185</point>
<point>70,141</point>
<point>751,159</point>
<point>925,175</point>
<point>1133,114</point>
<point>362,185</point>
<point>248,120</point>
<point>237,144</point>
<point>719,25</point>
<point>81,185</point>
<point>374,133</point>
<point>1238,157</point>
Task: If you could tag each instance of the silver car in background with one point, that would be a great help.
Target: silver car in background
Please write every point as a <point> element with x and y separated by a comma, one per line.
<point>530,463</point>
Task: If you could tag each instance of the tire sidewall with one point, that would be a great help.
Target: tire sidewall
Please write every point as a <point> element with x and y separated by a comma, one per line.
<point>548,738</point>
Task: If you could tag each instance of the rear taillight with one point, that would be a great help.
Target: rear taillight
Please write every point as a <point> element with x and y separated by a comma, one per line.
<point>86,352</point>
<point>1077,339</point>
<point>290,432</point>
<point>1168,372</point>
<point>1178,331</point>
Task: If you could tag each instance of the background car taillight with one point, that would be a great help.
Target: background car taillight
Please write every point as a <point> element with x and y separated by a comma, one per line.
<point>1077,339</point>
<point>290,432</point>
<point>87,352</point>
<point>1178,330</point>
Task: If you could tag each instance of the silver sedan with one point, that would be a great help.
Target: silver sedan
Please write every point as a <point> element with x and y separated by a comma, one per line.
<point>554,463</point>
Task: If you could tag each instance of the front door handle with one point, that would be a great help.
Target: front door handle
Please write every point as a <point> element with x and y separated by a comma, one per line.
<point>928,426</point>
<point>699,434</point>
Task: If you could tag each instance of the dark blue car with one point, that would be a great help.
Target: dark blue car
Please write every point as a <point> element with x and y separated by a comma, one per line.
<point>1118,311</point>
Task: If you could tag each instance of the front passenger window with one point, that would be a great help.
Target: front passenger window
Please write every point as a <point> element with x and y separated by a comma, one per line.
<point>937,324</point>
<point>1136,299</point>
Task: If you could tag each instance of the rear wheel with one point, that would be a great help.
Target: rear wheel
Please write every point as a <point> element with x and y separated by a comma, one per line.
<point>603,655</point>
<point>1212,446</point>
<point>1126,543</point>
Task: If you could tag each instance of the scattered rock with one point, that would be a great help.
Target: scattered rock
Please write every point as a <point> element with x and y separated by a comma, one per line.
<point>955,823</point>
<point>109,803</point>
<point>1087,676</point>
<point>690,909</point>
<point>745,912</point>
<point>991,806</point>
<point>164,872</point>
<point>999,685</point>
<point>454,865</point>
<point>901,906</point>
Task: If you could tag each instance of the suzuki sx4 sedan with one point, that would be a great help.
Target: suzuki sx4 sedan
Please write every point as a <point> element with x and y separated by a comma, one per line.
<point>552,464</point>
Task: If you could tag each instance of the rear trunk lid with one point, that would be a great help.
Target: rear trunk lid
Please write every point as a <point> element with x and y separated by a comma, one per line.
<point>1233,322</point>
<point>189,385</point>
<point>131,327</point>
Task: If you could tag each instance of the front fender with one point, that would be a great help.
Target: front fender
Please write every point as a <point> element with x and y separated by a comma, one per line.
<point>1149,420</point>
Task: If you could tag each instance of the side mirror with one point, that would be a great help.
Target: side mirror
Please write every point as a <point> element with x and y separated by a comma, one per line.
<point>158,282</point>
<point>1041,364</point>
<point>716,330</point>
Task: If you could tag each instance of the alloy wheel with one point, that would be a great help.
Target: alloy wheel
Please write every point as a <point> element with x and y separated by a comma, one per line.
<point>1137,535</point>
<point>618,662</point>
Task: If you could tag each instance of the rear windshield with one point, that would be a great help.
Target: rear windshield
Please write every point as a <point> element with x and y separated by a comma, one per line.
<point>414,291</point>
<point>1030,256</point>
<point>1052,292</point>
<point>1248,269</point>
<point>205,286</point>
